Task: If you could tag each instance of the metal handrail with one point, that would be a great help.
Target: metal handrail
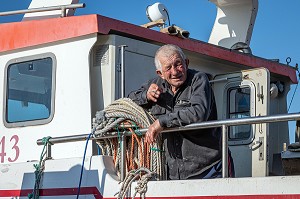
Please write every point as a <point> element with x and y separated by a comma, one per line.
<point>63,9</point>
<point>202,125</point>
<point>210,124</point>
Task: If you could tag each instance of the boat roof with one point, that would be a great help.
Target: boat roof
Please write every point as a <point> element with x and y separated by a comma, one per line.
<point>24,34</point>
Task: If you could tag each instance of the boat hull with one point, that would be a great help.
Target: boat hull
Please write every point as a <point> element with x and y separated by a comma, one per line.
<point>99,180</point>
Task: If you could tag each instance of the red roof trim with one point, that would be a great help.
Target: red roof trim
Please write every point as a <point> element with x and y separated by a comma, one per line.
<point>29,33</point>
<point>195,46</point>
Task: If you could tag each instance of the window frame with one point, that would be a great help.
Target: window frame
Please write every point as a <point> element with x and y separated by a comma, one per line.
<point>5,101</point>
<point>243,84</point>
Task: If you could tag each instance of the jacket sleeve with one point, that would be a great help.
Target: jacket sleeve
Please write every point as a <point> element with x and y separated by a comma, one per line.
<point>140,96</point>
<point>198,108</point>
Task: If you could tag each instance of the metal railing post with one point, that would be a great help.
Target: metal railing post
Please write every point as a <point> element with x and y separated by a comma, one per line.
<point>123,140</point>
<point>122,66</point>
<point>123,157</point>
<point>224,151</point>
<point>63,12</point>
<point>48,151</point>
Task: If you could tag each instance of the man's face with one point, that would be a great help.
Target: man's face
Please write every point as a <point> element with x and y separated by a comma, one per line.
<point>173,70</point>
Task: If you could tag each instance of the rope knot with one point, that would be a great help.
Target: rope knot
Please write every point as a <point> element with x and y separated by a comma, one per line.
<point>46,140</point>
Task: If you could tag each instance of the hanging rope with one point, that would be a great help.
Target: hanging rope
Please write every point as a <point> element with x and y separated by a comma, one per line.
<point>121,116</point>
<point>39,169</point>
<point>143,174</point>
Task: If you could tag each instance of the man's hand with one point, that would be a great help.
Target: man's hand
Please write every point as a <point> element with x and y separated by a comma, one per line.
<point>153,131</point>
<point>153,92</point>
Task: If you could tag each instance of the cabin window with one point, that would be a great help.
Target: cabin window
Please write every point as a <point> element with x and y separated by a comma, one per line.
<point>29,91</point>
<point>239,107</point>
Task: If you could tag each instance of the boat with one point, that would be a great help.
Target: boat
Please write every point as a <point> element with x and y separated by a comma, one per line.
<point>59,70</point>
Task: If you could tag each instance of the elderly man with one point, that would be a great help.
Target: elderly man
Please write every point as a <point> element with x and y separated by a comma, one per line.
<point>180,96</point>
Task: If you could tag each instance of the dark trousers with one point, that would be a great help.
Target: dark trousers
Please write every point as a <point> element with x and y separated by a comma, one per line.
<point>216,170</point>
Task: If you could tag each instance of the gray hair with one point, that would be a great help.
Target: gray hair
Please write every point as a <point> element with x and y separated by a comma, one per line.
<point>166,51</point>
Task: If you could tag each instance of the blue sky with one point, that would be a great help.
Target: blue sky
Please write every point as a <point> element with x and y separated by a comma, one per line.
<point>275,35</point>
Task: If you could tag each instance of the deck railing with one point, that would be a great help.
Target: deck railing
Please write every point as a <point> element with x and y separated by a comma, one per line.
<point>210,124</point>
<point>63,9</point>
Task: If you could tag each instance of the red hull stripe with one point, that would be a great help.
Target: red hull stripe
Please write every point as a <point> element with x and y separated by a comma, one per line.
<point>289,196</point>
<point>53,192</point>
<point>94,191</point>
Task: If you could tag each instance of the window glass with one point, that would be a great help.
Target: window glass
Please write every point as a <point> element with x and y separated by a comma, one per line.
<point>29,88</point>
<point>239,107</point>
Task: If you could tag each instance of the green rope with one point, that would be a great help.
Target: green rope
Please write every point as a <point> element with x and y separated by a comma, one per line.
<point>39,168</point>
<point>156,149</point>
<point>136,129</point>
<point>119,133</point>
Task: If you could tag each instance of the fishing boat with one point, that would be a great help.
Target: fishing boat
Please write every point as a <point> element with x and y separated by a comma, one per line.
<point>59,70</point>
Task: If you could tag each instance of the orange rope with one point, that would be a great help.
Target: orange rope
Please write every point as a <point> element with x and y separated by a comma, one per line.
<point>143,149</point>
<point>115,145</point>
<point>131,154</point>
<point>140,151</point>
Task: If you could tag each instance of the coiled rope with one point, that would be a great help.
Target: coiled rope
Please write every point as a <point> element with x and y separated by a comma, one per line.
<point>123,115</point>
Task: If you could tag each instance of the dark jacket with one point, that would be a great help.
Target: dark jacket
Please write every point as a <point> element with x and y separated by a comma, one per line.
<point>188,153</point>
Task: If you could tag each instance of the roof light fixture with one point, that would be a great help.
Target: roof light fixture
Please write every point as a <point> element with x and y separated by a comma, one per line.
<point>156,12</point>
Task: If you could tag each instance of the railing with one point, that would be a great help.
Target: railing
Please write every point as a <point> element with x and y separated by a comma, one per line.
<point>220,123</point>
<point>63,9</point>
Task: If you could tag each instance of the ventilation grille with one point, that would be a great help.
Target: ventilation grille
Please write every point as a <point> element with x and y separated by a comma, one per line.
<point>101,56</point>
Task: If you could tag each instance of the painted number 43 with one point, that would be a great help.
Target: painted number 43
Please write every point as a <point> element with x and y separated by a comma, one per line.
<point>12,147</point>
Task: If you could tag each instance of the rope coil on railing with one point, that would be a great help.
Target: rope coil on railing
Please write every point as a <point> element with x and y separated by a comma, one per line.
<point>121,116</point>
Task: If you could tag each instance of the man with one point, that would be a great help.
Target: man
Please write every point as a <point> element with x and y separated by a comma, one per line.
<point>177,97</point>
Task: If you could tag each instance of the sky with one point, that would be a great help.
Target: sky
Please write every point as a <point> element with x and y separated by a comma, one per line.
<point>275,35</point>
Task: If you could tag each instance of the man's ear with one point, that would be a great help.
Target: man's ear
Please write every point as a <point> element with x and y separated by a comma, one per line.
<point>187,62</point>
<point>159,73</point>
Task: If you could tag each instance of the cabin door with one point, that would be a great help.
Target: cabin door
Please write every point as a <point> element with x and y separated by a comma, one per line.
<point>239,95</point>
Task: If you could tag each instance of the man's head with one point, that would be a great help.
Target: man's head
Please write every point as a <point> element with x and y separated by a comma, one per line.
<point>171,65</point>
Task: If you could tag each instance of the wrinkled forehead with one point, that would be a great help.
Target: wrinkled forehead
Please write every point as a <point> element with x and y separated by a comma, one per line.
<point>169,56</point>
<point>169,59</point>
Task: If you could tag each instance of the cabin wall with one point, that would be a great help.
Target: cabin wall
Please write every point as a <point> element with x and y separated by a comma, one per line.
<point>72,108</point>
<point>210,66</point>
<point>105,70</point>
<point>279,131</point>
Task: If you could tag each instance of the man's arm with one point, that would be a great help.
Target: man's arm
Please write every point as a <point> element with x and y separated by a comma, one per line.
<point>199,108</point>
<point>140,96</point>
<point>144,97</point>
<point>146,94</point>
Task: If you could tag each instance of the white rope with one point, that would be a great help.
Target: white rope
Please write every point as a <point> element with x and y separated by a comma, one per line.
<point>107,122</point>
<point>144,176</point>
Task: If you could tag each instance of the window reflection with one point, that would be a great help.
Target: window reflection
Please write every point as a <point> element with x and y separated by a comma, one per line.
<point>239,107</point>
<point>29,86</point>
